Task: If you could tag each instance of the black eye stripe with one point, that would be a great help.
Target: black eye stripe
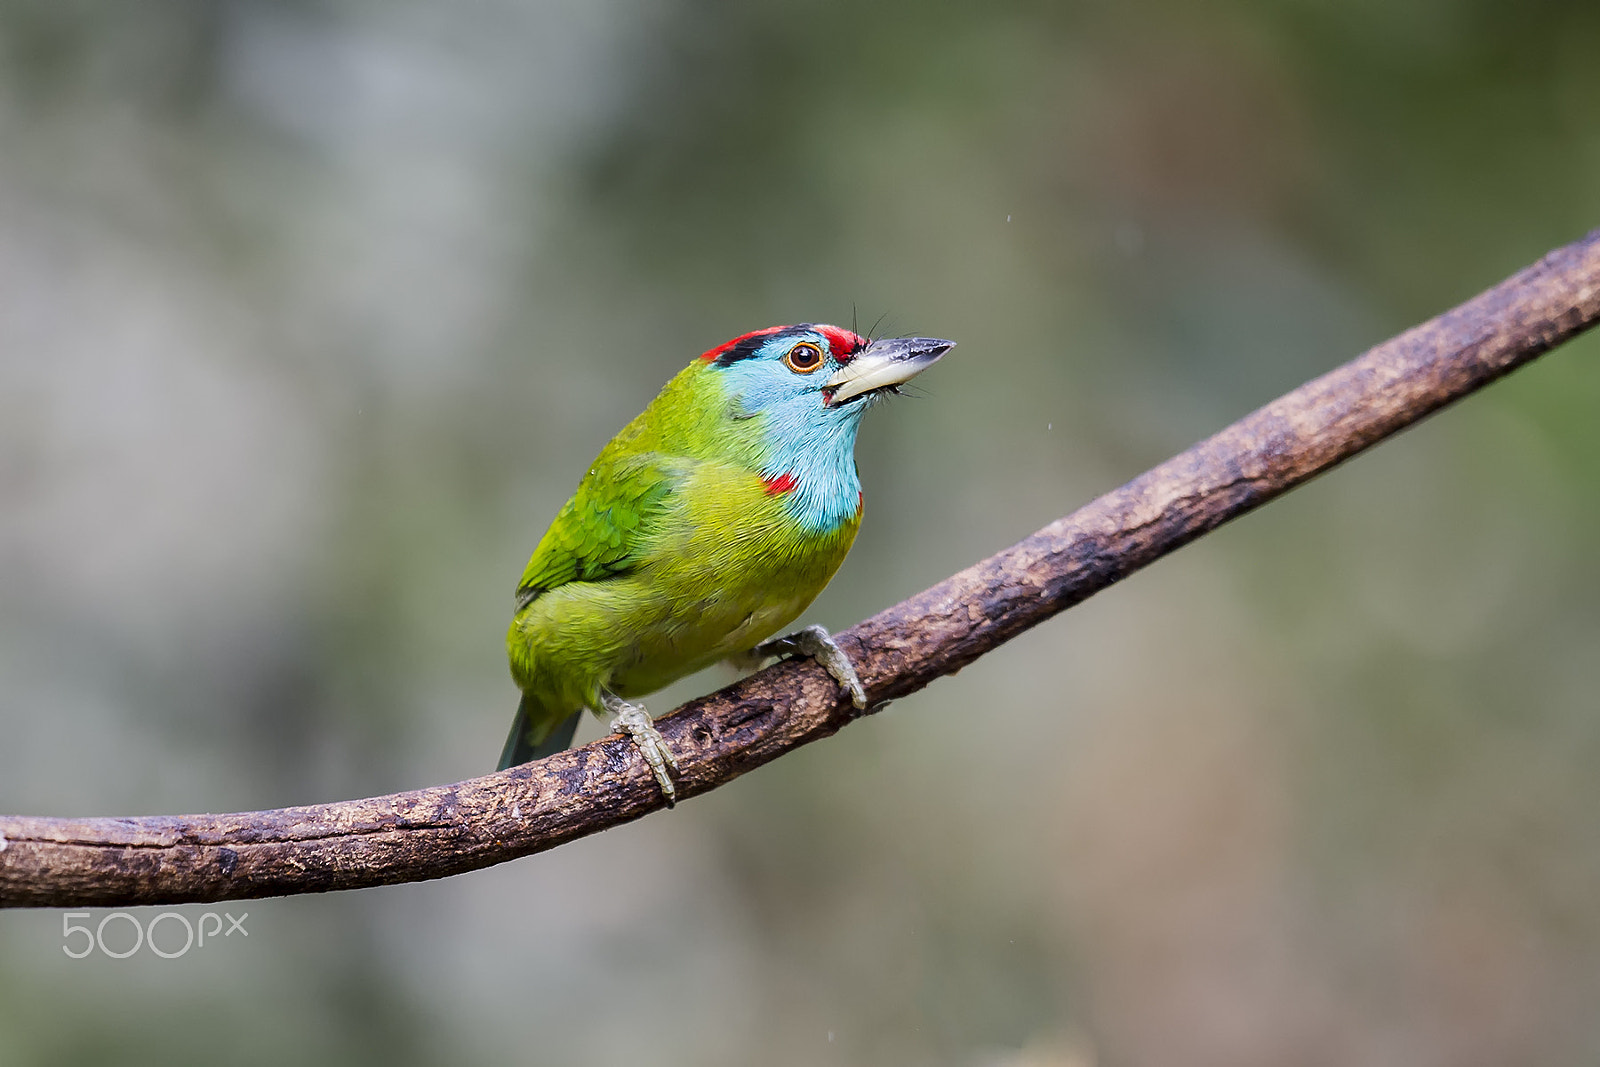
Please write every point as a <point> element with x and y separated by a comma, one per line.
<point>752,345</point>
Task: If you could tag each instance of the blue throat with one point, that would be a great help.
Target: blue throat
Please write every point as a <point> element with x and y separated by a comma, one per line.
<point>812,444</point>
<point>819,451</point>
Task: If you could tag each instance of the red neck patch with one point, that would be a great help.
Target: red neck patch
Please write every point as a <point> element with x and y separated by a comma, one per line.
<point>783,483</point>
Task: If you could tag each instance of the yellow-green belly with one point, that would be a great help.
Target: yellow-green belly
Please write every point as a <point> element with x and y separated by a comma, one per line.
<point>727,569</point>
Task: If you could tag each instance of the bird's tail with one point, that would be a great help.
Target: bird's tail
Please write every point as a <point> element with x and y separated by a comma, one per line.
<point>537,732</point>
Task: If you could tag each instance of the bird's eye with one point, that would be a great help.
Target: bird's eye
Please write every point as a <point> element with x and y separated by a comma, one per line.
<point>804,358</point>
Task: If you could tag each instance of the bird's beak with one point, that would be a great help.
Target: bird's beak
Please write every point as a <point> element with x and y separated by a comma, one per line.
<point>882,364</point>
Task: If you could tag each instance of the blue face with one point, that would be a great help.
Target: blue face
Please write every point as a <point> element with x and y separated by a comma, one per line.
<point>779,378</point>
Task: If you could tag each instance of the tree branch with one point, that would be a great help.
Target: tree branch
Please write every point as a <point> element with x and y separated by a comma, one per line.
<point>431,833</point>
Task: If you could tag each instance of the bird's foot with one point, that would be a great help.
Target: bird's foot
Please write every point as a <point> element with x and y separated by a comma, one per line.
<point>634,720</point>
<point>815,641</point>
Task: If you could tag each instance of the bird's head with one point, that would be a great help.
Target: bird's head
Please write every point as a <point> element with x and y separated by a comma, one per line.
<point>797,394</point>
<point>821,375</point>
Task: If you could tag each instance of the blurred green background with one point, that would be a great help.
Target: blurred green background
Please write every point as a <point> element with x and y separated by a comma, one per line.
<point>312,313</point>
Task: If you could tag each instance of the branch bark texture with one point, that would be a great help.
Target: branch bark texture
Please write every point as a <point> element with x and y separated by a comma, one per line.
<point>444,830</point>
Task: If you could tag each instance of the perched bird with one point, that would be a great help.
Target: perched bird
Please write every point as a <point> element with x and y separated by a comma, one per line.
<point>706,526</point>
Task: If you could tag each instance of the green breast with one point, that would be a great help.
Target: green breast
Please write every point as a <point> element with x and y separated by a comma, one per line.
<point>721,566</point>
<point>734,568</point>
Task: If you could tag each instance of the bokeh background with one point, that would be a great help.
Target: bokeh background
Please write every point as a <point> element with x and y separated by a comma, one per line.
<point>312,313</point>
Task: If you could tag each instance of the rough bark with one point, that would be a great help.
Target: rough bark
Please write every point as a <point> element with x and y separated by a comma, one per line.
<point>431,833</point>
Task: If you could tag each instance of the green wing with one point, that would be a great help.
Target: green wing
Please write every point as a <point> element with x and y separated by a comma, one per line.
<point>601,532</point>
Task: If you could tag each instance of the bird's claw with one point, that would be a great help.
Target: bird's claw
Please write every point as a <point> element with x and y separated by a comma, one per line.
<point>634,720</point>
<point>816,642</point>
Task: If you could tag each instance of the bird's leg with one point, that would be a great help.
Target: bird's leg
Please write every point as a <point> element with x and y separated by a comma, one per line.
<point>634,720</point>
<point>814,641</point>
